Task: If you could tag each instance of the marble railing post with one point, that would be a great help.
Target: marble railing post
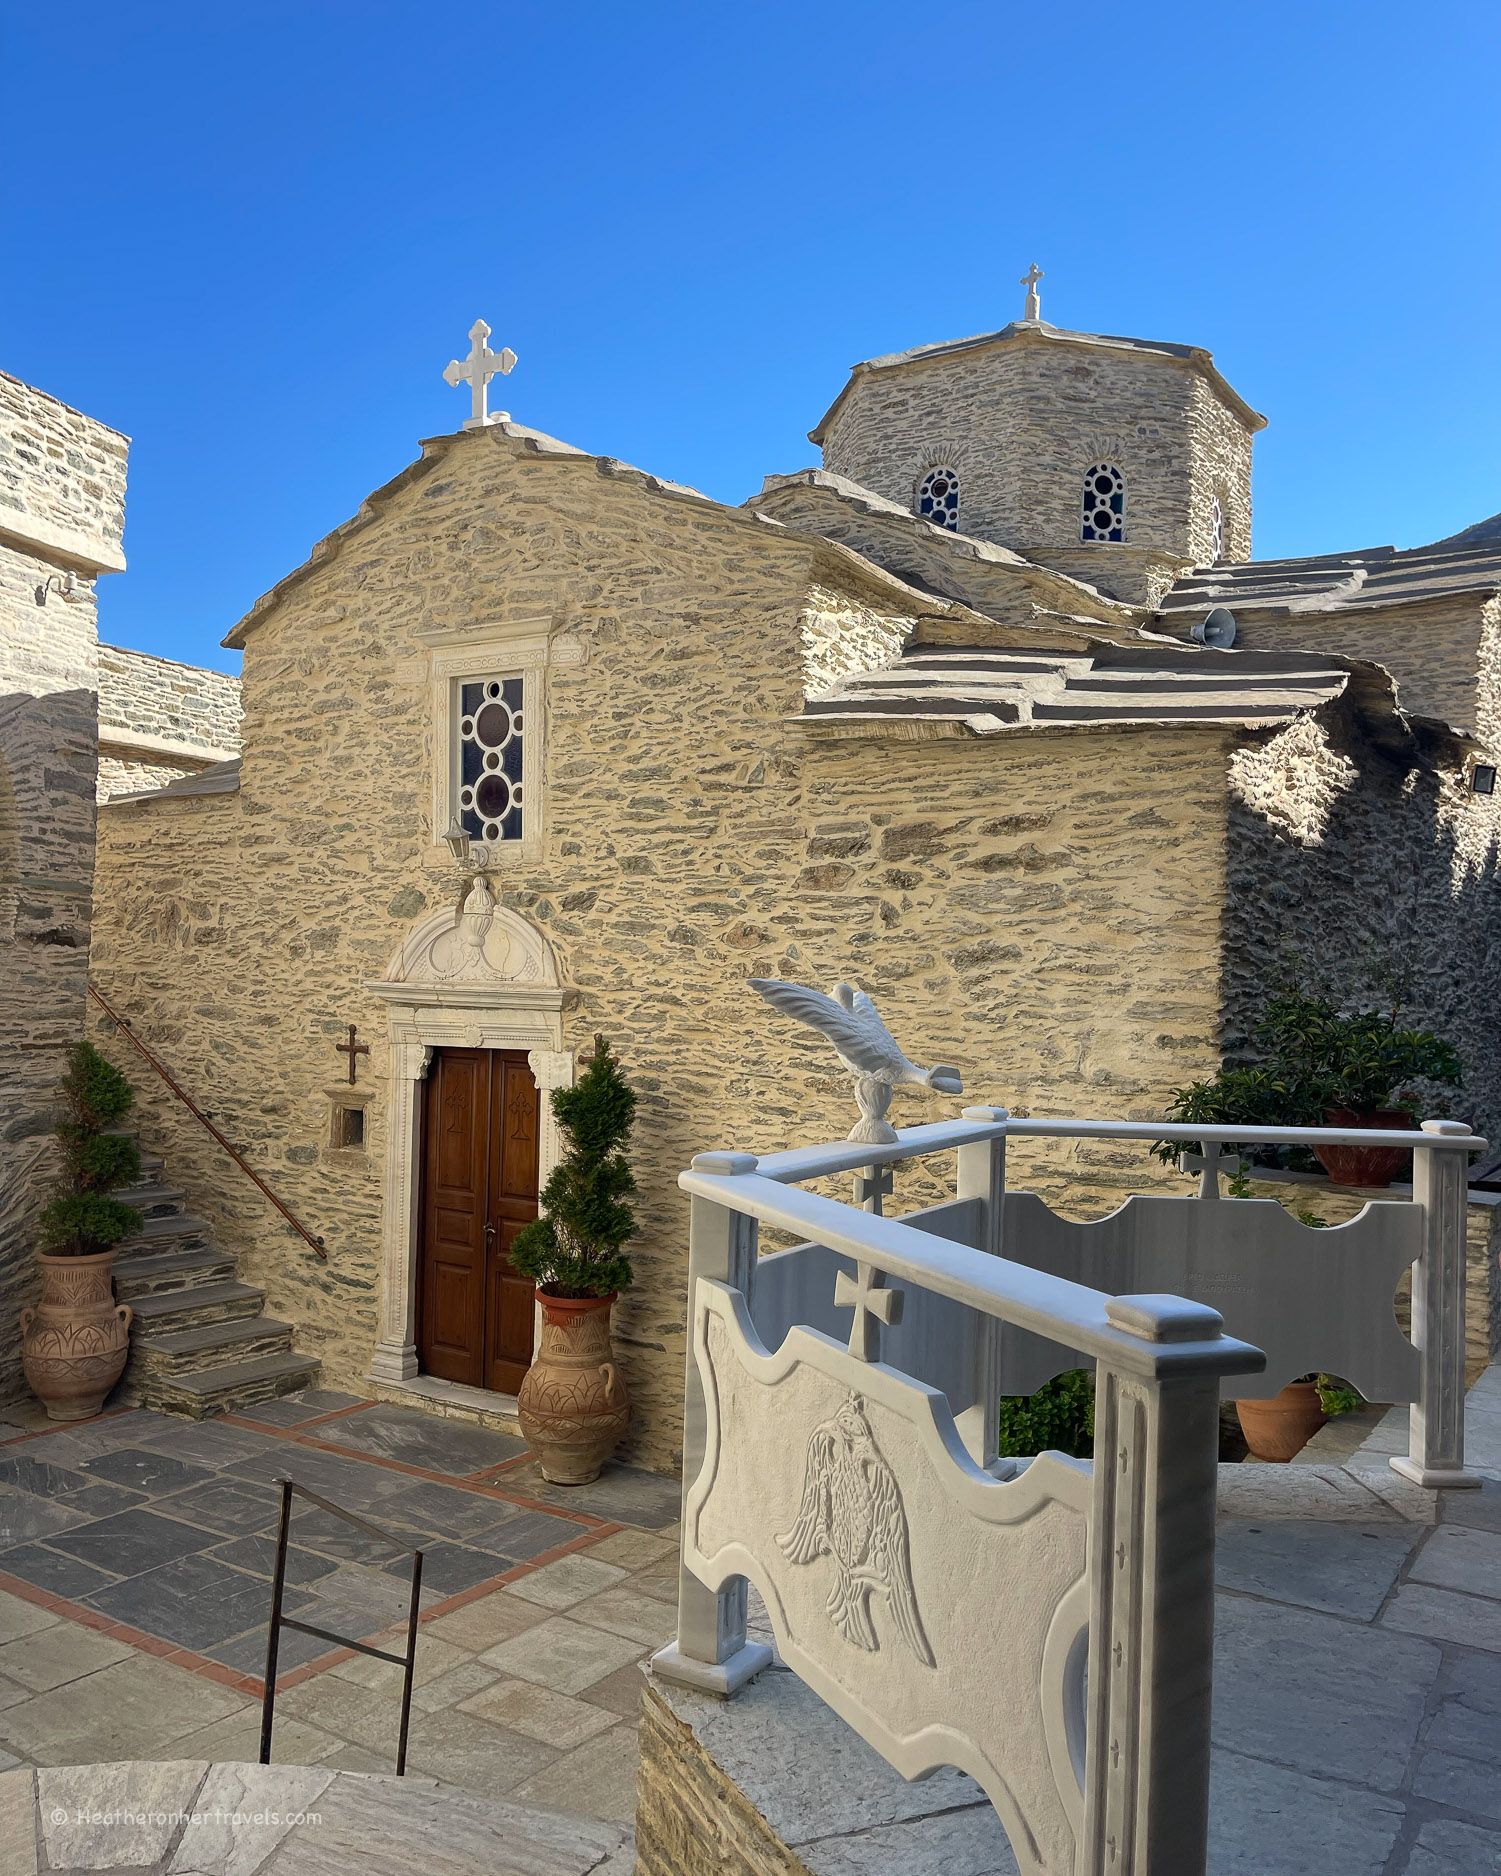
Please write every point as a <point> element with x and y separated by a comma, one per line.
<point>982,1176</point>
<point>1151,1632</point>
<point>1435,1453</point>
<point>711,1652</point>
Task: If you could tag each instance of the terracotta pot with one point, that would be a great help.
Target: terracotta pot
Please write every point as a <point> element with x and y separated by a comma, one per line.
<point>1279,1429</point>
<point>573,1406</point>
<point>1364,1165</point>
<point>74,1343</point>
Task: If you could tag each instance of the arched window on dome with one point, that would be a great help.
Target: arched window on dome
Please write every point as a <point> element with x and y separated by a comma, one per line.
<point>1104,509</point>
<point>938,497</point>
<point>1217,524</point>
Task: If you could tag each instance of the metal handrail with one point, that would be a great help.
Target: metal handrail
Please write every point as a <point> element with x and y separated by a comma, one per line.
<point>198,1114</point>
<point>407,1662</point>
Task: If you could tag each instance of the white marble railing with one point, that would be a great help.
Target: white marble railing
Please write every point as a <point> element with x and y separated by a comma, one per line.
<point>1047,1625</point>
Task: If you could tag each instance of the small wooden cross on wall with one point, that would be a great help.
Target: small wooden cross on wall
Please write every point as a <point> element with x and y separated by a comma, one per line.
<point>352,1049</point>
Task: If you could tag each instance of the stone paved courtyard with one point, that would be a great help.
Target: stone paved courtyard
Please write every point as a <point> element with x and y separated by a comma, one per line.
<point>1357,1706</point>
<point>1358,1675</point>
<point>135,1560</point>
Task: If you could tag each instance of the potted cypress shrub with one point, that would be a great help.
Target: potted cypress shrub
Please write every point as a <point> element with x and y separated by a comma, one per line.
<point>74,1344</point>
<point>573,1405</point>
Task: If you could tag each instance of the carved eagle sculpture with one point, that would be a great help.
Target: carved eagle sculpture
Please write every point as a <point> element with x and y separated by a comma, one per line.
<point>852,1511</point>
<point>866,1047</point>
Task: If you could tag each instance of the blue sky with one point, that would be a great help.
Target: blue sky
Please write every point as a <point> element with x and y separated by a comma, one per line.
<point>252,237</point>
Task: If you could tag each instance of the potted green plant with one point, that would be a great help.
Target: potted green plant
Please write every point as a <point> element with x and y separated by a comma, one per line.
<point>74,1344</point>
<point>1324,1066</point>
<point>573,1405</point>
<point>1278,1429</point>
<point>1355,1066</point>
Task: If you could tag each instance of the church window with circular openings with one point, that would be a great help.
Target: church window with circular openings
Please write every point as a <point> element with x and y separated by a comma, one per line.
<point>1104,516</point>
<point>938,498</point>
<point>1217,525</point>
<point>491,727</point>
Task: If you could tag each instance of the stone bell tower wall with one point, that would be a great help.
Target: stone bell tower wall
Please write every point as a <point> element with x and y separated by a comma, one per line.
<point>1022,418</point>
<point>62,510</point>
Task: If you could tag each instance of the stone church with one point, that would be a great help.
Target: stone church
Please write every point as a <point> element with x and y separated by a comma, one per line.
<point>929,715</point>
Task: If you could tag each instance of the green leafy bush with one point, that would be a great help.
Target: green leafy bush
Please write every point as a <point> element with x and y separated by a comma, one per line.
<point>82,1219</point>
<point>1058,1418</point>
<point>574,1248</point>
<point>1336,1396</point>
<point>1361,1060</point>
<point>1317,1057</point>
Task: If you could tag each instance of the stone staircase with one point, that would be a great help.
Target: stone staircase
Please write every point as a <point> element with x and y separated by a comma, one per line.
<point>200,1343</point>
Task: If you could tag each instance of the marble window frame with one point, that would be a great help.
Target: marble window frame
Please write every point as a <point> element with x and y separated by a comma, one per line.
<point>524,648</point>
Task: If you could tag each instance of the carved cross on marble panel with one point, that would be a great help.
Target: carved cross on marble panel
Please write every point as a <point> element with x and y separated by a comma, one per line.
<point>873,1303</point>
<point>1209,1165</point>
<point>872,1184</point>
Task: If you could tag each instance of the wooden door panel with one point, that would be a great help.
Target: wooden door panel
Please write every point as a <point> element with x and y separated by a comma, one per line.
<point>451,1298</point>
<point>511,1309</point>
<point>452,1310</point>
<point>518,1112</point>
<point>479,1187</point>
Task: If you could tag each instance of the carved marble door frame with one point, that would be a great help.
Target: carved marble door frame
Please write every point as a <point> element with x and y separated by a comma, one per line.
<point>427,1009</point>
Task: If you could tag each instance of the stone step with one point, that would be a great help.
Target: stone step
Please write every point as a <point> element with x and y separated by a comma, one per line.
<point>185,1351</point>
<point>175,1232</point>
<point>174,1270</point>
<point>207,1391</point>
<point>153,1200</point>
<point>167,1311</point>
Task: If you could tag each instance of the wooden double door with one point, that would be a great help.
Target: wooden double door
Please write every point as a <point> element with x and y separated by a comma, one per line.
<point>479,1187</point>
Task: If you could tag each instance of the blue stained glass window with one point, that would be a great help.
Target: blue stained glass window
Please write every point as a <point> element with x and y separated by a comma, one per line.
<point>1103,517</point>
<point>491,732</point>
<point>938,498</point>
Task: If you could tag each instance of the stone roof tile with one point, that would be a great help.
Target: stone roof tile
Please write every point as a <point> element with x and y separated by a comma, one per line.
<point>1031,331</point>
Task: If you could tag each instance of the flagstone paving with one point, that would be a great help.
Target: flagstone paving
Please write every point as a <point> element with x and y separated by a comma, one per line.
<point>136,1554</point>
<point>1358,1668</point>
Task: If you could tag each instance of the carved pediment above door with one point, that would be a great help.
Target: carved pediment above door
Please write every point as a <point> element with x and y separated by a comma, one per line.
<point>478,946</point>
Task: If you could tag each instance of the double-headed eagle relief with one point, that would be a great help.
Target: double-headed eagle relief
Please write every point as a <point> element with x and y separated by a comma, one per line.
<point>866,1047</point>
<point>852,1512</point>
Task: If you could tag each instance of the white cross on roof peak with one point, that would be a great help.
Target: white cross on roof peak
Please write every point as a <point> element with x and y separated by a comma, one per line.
<point>479,368</point>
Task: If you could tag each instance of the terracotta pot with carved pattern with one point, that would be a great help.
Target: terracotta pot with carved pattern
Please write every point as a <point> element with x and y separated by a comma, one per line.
<point>74,1343</point>
<point>573,1406</point>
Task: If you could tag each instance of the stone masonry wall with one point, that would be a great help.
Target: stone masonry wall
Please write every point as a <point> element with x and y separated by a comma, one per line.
<point>46,865</point>
<point>59,468</point>
<point>1037,910</point>
<point>691,1818</point>
<point>1347,866</point>
<point>840,636</point>
<point>62,506</point>
<point>1022,420</point>
<point>166,702</point>
<point>1433,650</point>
